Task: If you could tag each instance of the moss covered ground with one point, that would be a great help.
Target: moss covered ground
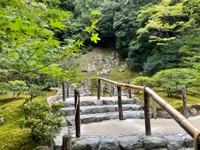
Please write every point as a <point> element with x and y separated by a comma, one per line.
<point>12,136</point>
<point>175,101</point>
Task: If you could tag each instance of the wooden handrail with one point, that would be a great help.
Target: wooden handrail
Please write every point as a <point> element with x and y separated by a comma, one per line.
<point>134,87</point>
<point>177,116</point>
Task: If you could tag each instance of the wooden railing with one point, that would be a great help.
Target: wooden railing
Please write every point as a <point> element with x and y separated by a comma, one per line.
<point>177,116</point>
<point>66,141</point>
<point>77,113</point>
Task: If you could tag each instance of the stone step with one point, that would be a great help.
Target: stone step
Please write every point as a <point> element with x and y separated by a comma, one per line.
<point>92,100</point>
<point>96,117</point>
<point>69,111</point>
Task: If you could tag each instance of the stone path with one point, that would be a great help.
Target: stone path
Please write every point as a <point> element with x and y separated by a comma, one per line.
<point>102,130</point>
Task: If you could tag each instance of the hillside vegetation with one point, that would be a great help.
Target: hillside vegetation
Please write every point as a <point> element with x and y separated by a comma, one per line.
<point>117,71</point>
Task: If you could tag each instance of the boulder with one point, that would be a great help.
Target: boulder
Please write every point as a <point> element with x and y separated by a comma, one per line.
<point>174,142</point>
<point>163,114</point>
<point>151,142</point>
<point>131,142</point>
<point>193,112</point>
<point>81,144</point>
<point>109,143</point>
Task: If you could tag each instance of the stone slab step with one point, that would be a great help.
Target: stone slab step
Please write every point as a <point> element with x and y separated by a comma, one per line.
<point>92,100</point>
<point>69,111</point>
<point>88,118</point>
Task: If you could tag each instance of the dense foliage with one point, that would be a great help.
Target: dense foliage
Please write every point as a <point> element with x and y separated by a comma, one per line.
<point>43,120</point>
<point>34,48</point>
<point>151,35</point>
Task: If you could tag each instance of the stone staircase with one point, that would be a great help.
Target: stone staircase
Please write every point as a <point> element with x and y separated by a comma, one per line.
<point>93,110</point>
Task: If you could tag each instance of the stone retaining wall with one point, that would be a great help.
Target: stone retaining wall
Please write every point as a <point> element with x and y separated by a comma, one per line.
<point>173,141</point>
<point>159,141</point>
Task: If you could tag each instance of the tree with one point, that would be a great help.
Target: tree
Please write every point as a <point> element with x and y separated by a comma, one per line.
<point>160,26</point>
<point>172,79</point>
<point>43,120</point>
<point>30,46</point>
<point>143,81</point>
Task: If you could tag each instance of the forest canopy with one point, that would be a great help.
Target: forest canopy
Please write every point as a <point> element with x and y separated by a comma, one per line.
<point>39,37</point>
<point>151,35</point>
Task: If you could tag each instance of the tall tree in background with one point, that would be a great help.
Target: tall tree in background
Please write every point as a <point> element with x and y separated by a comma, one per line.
<point>30,46</point>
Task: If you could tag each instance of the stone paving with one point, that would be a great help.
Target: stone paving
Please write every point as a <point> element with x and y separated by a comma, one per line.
<point>114,134</point>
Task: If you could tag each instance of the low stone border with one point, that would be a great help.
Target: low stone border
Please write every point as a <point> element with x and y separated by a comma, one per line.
<point>51,99</point>
<point>171,141</point>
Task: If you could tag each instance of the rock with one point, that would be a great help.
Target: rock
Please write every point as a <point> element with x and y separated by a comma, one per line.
<point>99,110</point>
<point>193,112</point>
<point>137,101</point>
<point>105,71</point>
<point>163,114</point>
<point>2,120</point>
<point>92,142</point>
<point>188,141</point>
<point>174,142</point>
<point>121,70</point>
<point>151,142</point>
<point>88,119</point>
<point>108,102</point>
<point>42,148</point>
<point>80,144</point>
<point>131,142</point>
<point>87,103</point>
<point>109,143</point>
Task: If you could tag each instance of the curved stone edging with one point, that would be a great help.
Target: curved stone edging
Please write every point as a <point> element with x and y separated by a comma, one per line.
<point>173,141</point>
<point>51,99</point>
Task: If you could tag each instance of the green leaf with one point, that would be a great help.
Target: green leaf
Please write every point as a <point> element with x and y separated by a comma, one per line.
<point>79,43</point>
<point>95,37</point>
<point>95,12</point>
<point>57,24</point>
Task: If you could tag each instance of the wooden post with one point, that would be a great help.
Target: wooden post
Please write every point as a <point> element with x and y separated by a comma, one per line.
<point>185,109</point>
<point>129,90</point>
<point>77,114</point>
<point>99,89</point>
<point>147,114</point>
<point>67,89</point>
<point>197,140</point>
<point>64,91</point>
<point>75,98</point>
<point>120,103</point>
<point>92,93</point>
<point>66,143</point>
<point>112,90</point>
<point>154,110</point>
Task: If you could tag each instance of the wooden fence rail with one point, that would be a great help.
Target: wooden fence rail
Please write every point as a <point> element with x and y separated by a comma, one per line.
<point>177,116</point>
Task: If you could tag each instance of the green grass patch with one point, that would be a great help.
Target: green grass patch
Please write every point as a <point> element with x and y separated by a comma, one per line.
<point>12,136</point>
<point>176,102</point>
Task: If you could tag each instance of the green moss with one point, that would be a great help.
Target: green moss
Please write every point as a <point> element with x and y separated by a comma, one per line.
<point>176,102</point>
<point>14,137</point>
